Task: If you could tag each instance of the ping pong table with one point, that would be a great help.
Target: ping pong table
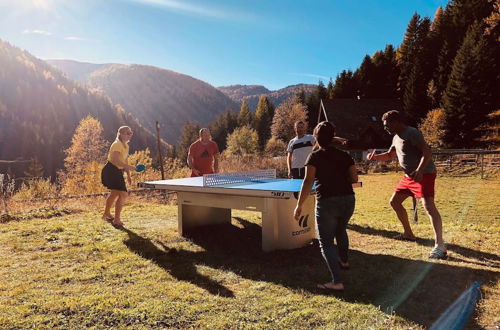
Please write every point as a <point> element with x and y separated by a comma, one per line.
<point>208,200</point>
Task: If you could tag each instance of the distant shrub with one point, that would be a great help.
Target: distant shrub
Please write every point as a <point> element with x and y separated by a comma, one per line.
<point>36,188</point>
<point>87,182</point>
<point>230,163</point>
<point>175,168</point>
<point>275,147</point>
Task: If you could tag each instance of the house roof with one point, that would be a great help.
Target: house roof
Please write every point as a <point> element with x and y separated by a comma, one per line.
<point>353,118</point>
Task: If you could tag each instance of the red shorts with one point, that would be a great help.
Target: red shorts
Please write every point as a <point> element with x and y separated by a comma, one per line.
<point>424,188</point>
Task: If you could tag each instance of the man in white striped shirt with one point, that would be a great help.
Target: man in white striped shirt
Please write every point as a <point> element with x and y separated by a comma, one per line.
<point>298,150</point>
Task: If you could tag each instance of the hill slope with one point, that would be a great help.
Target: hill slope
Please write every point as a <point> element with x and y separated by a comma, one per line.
<point>154,94</point>
<point>252,93</point>
<point>76,70</point>
<point>40,109</point>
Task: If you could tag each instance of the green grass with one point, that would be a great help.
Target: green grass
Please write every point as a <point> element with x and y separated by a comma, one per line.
<point>75,270</point>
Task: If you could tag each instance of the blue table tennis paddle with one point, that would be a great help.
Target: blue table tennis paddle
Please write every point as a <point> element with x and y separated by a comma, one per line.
<point>140,167</point>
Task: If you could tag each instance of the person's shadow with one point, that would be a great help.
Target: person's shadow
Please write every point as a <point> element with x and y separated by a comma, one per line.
<point>413,289</point>
<point>179,264</point>
<point>479,257</point>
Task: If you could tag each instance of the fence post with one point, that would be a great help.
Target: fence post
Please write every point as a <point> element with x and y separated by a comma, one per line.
<point>482,166</point>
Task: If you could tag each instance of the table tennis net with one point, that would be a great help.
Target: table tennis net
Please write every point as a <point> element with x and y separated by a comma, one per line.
<point>218,179</point>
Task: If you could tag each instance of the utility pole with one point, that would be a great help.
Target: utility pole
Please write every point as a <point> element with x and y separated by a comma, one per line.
<point>159,149</point>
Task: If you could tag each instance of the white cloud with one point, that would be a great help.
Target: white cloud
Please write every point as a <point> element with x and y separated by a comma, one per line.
<point>45,33</point>
<point>74,38</point>
<point>312,75</point>
<point>195,9</point>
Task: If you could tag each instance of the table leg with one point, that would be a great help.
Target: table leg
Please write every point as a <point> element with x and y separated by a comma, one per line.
<point>191,216</point>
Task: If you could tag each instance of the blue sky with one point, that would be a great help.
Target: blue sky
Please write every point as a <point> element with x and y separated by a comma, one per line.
<point>274,43</point>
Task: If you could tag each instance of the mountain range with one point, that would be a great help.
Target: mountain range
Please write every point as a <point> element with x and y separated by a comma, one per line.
<point>251,93</point>
<point>152,94</point>
<point>40,109</point>
<point>42,102</point>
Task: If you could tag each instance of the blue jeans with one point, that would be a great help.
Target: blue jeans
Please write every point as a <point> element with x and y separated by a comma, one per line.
<point>332,216</point>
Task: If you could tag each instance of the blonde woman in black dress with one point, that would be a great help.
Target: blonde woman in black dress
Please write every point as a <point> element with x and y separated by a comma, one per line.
<point>112,175</point>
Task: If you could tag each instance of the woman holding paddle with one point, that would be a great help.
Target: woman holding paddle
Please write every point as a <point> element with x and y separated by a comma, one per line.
<point>112,175</point>
<point>333,171</point>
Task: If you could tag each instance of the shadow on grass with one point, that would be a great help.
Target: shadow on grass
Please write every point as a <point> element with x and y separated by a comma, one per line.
<point>178,264</point>
<point>482,258</point>
<point>415,290</point>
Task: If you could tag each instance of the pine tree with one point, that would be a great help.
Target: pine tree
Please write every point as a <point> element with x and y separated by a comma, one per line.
<point>472,89</point>
<point>263,121</point>
<point>321,91</point>
<point>190,133</point>
<point>414,61</point>
<point>329,89</point>
<point>312,110</point>
<point>222,126</point>
<point>450,27</point>
<point>244,116</point>
<point>390,72</point>
<point>406,52</point>
<point>346,85</point>
<point>365,75</point>
<point>415,100</point>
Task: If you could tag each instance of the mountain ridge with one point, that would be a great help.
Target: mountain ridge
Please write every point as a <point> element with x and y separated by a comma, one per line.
<point>158,94</point>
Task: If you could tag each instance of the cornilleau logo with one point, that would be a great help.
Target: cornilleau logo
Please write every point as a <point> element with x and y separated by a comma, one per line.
<point>303,221</point>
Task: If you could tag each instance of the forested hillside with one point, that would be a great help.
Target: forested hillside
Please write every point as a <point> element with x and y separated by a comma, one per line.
<point>251,93</point>
<point>40,109</point>
<point>154,94</point>
<point>449,63</point>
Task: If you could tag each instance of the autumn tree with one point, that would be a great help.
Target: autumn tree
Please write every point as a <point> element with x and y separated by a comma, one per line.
<point>432,127</point>
<point>243,141</point>
<point>286,114</point>
<point>84,158</point>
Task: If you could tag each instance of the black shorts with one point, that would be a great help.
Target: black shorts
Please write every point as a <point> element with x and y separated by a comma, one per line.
<point>112,177</point>
<point>298,173</point>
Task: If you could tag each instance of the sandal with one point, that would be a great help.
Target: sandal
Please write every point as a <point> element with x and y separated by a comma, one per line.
<point>438,253</point>
<point>107,218</point>
<point>401,237</point>
<point>117,224</point>
<point>328,288</point>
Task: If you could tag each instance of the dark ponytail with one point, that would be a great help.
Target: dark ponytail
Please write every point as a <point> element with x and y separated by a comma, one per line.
<point>324,133</point>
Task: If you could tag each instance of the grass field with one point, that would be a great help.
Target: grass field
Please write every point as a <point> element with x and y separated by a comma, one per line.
<point>75,270</point>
